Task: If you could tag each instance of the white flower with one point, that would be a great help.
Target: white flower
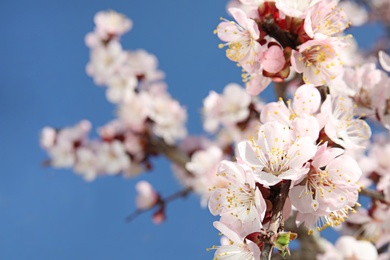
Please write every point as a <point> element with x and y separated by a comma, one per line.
<point>240,203</point>
<point>227,109</point>
<point>105,62</point>
<point>111,24</point>
<point>295,8</point>
<point>241,37</point>
<point>348,247</point>
<point>341,126</point>
<point>275,155</point>
<point>86,164</point>
<point>147,197</point>
<point>113,158</point>
<point>318,60</point>
<point>239,248</point>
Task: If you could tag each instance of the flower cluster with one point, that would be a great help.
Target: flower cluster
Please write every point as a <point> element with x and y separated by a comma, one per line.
<point>303,158</point>
<point>302,144</point>
<point>272,39</point>
<point>145,109</point>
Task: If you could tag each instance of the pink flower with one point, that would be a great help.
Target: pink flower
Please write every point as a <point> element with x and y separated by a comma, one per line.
<point>144,66</point>
<point>367,86</point>
<point>227,109</point>
<point>328,189</point>
<point>167,115</point>
<point>295,8</point>
<point>238,247</point>
<point>317,60</point>
<point>272,59</point>
<point>341,126</point>
<point>147,197</point>
<point>111,24</point>
<point>348,247</point>
<point>357,14</point>
<point>374,224</point>
<point>48,137</point>
<point>256,82</point>
<point>112,158</point>
<point>298,114</point>
<point>275,155</point>
<point>384,60</point>
<point>86,163</point>
<point>325,19</point>
<point>105,62</point>
<point>135,111</point>
<point>240,204</point>
<point>203,165</point>
<point>241,37</point>
<point>121,87</point>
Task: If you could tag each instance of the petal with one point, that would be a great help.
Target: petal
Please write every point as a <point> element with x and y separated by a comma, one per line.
<point>384,60</point>
<point>307,100</point>
<point>275,111</point>
<point>248,155</point>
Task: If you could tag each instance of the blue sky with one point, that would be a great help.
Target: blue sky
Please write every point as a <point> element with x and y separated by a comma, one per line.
<point>47,213</point>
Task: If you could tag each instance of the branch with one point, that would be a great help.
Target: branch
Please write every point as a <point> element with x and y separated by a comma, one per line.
<point>374,195</point>
<point>276,222</point>
<point>173,153</point>
<point>280,89</point>
<point>161,203</point>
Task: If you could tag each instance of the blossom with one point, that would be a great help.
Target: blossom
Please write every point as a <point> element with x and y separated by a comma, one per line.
<point>167,115</point>
<point>341,126</point>
<point>112,157</point>
<point>329,189</point>
<point>199,172</point>
<point>147,197</point>
<point>237,248</point>
<point>325,19</point>
<point>367,86</point>
<point>61,144</point>
<point>228,109</point>
<point>144,66</point>
<point>121,87</point>
<point>298,114</point>
<point>318,61</point>
<point>48,137</point>
<point>384,60</point>
<point>357,14</point>
<point>295,8</point>
<point>256,82</point>
<point>110,23</point>
<point>272,59</point>
<point>373,224</point>
<point>135,110</point>
<point>275,155</point>
<point>86,163</point>
<point>105,62</point>
<point>240,203</point>
<point>347,247</point>
<point>241,37</point>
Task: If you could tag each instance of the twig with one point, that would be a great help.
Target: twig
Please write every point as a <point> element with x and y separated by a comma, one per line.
<point>161,203</point>
<point>374,195</point>
<point>276,221</point>
<point>172,152</point>
<point>280,89</point>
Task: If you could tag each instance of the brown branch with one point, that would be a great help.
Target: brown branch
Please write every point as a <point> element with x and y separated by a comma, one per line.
<point>280,89</point>
<point>161,203</point>
<point>276,223</point>
<point>374,195</point>
<point>172,152</point>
